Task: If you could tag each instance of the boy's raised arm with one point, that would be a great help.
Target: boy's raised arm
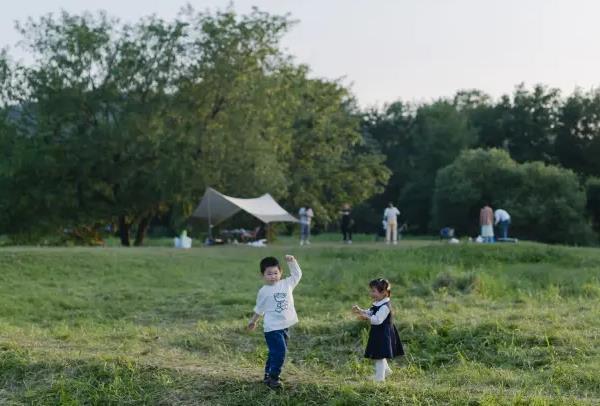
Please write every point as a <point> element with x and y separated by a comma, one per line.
<point>295,271</point>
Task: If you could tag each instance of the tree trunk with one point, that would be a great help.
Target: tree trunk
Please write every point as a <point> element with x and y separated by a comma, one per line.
<point>124,232</point>
<point>141,231</point>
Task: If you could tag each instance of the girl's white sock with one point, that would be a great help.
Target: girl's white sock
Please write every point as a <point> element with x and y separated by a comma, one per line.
<point>388,370</point>
<point>380,365</point>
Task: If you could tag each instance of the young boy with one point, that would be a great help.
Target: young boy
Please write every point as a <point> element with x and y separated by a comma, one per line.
<point>276,302</point>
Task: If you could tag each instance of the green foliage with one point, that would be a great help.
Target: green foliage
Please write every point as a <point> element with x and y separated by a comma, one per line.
<point>592,187</point>
<point>502,324</point>
<point>123,124</point>
<point>531,124</point>
<point>546,203</point>
<point>577,144</point>
<point>118,123</point>
<point>331,163</point>
<point>439,134</point>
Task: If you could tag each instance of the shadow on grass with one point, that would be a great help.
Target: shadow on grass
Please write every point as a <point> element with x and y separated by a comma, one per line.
<point>429,345</point>
<point>120,381</point>
<point>68,381</point>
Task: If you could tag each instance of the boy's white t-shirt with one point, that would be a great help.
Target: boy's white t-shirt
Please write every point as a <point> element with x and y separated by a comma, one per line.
<point>276,301</point>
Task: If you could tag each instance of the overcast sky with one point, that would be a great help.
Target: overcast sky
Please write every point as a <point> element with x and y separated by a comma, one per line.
<point>405,49</point>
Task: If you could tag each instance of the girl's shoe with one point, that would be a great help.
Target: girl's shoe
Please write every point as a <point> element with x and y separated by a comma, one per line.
<point>388,371</point>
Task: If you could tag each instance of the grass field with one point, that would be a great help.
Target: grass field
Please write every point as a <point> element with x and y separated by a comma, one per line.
<point>483,325</point>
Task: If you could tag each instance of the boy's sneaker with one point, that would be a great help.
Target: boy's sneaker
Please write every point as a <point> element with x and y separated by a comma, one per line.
<point>266,379</point>
<point>274,383</point>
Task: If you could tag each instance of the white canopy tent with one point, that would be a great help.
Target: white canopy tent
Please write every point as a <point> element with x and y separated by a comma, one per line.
<point>216,207</point>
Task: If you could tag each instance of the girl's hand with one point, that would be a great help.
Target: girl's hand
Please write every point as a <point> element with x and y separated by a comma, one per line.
<point>356,309</point>
<point>252,325</point>
<point>290,258</point>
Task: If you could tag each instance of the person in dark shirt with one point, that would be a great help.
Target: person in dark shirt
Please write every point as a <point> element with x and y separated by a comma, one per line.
<point>347,223</point>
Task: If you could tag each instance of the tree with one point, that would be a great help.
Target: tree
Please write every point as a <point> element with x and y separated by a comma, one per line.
<point>547,203</point>
<point>577,143</point>
<point>391,130</point>
<point>592,187</point>
<point>439,134</point>
<point>91,106</point>
<point>462,187</point>
<point>331,162</point>
<point>529,123</point>
<point>120,123</point>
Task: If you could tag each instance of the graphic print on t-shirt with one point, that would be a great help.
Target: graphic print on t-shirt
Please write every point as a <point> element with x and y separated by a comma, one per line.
<point>281,300</point>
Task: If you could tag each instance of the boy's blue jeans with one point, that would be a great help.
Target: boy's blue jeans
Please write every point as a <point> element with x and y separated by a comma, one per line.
<point>277,344</point>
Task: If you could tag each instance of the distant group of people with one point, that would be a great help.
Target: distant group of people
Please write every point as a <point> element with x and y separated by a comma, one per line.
<point>488,218</point>
<point>306,214</point>
<point>390,223</point>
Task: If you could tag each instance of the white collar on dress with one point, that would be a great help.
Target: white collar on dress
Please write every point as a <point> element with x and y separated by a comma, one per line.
<point>382,301</point>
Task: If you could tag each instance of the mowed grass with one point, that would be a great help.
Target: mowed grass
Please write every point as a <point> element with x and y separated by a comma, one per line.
<point>482,325</point>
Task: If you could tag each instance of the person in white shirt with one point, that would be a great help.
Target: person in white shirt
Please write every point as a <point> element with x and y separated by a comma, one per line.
<point>305,214</point>
<point>276,302</point>
<point>390,216</point>
<point>502,220</point>
<point>384,341</point>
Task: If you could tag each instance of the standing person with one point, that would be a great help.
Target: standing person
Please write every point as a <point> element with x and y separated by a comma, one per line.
<point>276,302</point>
<point>502,220</point>
<point>384,341</point>
<point>390,216</point>
<point>347,223</point>
<point>306,214</point>
<point>486,221</point>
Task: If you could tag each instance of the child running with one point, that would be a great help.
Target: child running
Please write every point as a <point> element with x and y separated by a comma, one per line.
<point>384,342</point>
<point>276,302</point>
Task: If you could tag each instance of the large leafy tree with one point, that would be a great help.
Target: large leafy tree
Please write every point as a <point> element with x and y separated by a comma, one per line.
<point>577,144</point>
<point>118,123</point>
<point>90,109</point>
<point>525,123</point>
<point>331,162</point>
<point>391,130</point>
<point>439,134</point>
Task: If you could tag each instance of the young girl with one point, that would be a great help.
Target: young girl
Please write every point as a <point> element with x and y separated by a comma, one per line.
<point>384,341</point>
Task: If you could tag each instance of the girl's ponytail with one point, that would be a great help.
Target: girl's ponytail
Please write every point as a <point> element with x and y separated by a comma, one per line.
<point>382,285</point>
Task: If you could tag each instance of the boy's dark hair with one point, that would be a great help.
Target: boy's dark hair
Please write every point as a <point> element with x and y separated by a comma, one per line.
<point>268,262</point>
<point>382,285</point>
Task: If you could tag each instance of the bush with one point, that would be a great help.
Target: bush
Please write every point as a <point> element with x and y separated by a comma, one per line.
<point>547,203</point>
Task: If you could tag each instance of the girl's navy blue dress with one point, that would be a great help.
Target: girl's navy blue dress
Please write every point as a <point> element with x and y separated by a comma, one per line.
<point>384,340</point>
